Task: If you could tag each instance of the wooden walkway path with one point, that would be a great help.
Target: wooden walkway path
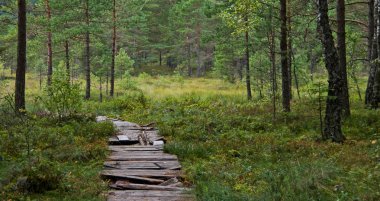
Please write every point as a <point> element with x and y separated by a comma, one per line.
<point>138,169</point>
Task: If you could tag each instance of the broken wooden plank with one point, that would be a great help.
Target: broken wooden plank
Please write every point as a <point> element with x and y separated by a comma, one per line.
<point>142,164</point>
<point>140,173</point>
<point>132,186</point>
<point>134,166</point>
<point>169,182</point>
<point>123,138</point>
<point>143,180</point>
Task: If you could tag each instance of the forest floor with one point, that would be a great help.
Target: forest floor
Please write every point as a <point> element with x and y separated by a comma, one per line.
<point>230,149</point>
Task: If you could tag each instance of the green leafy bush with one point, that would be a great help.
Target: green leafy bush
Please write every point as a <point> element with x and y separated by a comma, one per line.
<point>62,99</point>
<point>43,176</point>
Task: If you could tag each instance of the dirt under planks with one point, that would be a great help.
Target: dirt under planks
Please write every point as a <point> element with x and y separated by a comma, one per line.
<point>138,170</point>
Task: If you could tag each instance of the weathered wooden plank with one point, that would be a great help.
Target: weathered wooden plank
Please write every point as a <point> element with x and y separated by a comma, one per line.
<point>125,124</point>
<point>137,198</point>
<point>142,164</point>
<point>138,153</point>
<point>144,180</point>
<point>132,148</point>
<point>123,138</point>
<point>132,186</point>
<point>141,173</point>
<point>134,166</point>
<point>113,139</point>
<point>161,157</point>
<point>149,193</point>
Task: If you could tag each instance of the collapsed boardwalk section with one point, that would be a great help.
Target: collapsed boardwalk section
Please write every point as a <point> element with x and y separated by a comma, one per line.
<point>138,169</point>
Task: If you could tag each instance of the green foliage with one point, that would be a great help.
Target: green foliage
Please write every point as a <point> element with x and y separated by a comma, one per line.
<point>235,153</point>
<point>123,63</point>
<point>62,99</point>
<point>44,176</point>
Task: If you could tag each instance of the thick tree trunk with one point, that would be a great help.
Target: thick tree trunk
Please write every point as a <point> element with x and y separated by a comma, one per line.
<point>113,50</point>
<point>49,44</point>
<point>248,74</point>
<point>376,86</point>
<point>88,69</point>
<point>67,55</point>
<point>372,50</point>
<point>284,59</point>
<point>21,57</point>
<point>333,125</point>
<point>340,10</point>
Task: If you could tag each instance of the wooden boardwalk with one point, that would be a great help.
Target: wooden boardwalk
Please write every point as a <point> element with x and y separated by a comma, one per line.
<point>138,169</point>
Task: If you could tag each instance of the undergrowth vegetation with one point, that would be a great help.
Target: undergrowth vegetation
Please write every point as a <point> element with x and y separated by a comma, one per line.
<point>231,149</point>
<point>54,151</point>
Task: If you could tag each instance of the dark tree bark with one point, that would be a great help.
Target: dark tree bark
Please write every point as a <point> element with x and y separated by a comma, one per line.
<point>284,59</point>
<point>189,68</point>
<point>290,47</point>
<point>113,50</point>
<point>376,86</point>
<point>67,55</point>
<point>49,44</point>
<point>21,57</point>
<point>372,51</point>
<point>341,37</point>
<point>272,56</point>
<point>88,69</point>
<point>248,74</point>
<point>332,129</point>
<point>160,57</point>
<point>100,89</point>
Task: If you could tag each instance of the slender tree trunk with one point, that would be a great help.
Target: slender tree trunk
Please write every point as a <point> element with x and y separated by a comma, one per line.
<point>272,53</point>
<point>107,80</point>
<point>312,64</point>
<point>21,57</point>
<point>88,69</point>
<point>295,75</point>
<point>248,74</point>
<point>190,70</point>
<point>67,55</point>
<point>290,48</point>
<point>40,77</point>
<point>49,44</point>
<point>284,59</point>
<point>100,89</point>
<point>198,50</point>
<point>333,125</point>
<point>113,50</point>
<point>372,50</point>
<point>160,57</point>
<point>341,23</point>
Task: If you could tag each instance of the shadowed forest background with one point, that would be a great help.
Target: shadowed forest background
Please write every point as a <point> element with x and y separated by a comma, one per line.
<point>260,99</point>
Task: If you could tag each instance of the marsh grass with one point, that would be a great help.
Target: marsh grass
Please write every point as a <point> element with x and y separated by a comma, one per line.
<point>232,149</point>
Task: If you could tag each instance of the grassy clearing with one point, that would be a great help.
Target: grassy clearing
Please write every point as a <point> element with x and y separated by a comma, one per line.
<point>232,149</point>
